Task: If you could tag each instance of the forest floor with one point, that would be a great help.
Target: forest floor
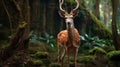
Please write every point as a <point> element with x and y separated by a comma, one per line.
<point>41,55</point>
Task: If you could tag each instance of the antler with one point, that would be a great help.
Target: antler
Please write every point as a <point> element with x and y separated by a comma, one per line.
<point>60,5</point>
<point>77,5</point>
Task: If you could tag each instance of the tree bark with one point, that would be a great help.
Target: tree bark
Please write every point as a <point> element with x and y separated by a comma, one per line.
<point>115,37</point>
<point>106,12</point>
<point>21,38</point>
<point>98,28</point>
<point>97,9</point>
<point>9,17</point>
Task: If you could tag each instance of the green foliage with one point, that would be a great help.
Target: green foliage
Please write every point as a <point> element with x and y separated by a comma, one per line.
<point>34,63</point>
<point>92,42</point>
<point>47,38</point>
<point>54,65</point>
<point>85,59</point>
<point>97,51</point>
<point>37,62</point>
<point>40,55</point>
<point>70,1</point>
<point>108,48</point>
<point>88,43</point>
<point>114,55</point>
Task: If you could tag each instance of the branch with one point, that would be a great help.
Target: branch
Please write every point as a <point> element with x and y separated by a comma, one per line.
<point>19,10</point>
<point>8,14</point>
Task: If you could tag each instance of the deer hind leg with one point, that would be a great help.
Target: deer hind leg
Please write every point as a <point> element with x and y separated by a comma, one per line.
<point>75,55</point>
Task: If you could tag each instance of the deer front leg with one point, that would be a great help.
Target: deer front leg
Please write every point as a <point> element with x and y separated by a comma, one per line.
<point>68,57</point>
<point>75,55</point>
<point>62,58</point>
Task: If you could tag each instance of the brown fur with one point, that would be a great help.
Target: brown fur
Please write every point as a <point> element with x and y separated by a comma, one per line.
<point>65,42</point>
<point>63,38</point>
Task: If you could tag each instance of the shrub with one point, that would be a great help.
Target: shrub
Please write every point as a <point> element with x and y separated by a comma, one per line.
<point>89,42</point>
<point>97,51</point>
<point>40,55</point>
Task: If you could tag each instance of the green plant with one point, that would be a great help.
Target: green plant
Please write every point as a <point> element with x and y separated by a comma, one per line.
<point>47,38</point>
<point>34,63</point>
<point>96,51</point>
<point>85,59</point>
<point>37,62</point>
<point>92,42</point>
<point>40,55</point>
<point>114,55</point>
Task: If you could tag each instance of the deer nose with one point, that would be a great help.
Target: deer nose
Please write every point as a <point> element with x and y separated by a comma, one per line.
<point>68,22</point>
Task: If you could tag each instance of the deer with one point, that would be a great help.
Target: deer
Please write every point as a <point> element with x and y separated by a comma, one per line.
<point>68,39</point>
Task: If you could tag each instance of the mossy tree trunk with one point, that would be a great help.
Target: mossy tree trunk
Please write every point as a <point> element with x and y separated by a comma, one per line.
<point>97,27</point>
<point>116,39</point>
<point>21,38</point>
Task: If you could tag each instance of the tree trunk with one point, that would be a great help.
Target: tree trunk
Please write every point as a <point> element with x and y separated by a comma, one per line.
<point>106,12</point>
<point>98,28</point>
<point>21,37</point>
<point>9,17</point>
<point>44,18</point>
<point>36,16</point>
<point>116,40</point>
<point>97,9</point>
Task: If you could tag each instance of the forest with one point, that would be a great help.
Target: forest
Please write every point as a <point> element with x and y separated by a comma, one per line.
<point>31,33</point>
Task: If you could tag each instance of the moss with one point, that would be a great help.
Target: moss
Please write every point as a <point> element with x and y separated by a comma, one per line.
<point>37,62</point>
<point>72,64</point>
<point>70,1</point>
<point>108,48</point>
<point>40,55</point>
<point>100,29</point>
<point>114,55</point>
<point>54,65</point>
<point>97,51</point>
<point>43,56</point>
<point>85,59</point>
<point>38,46</point>
<point>22,25</point>
<point>34,63</point>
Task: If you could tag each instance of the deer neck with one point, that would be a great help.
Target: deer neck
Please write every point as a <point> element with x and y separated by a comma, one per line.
<point>70,29</point>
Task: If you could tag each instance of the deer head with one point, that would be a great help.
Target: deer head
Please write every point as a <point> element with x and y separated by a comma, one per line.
<point>68,16</point>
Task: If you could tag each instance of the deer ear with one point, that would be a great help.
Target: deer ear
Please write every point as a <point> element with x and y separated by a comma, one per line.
<point>74,13</point>
<point>61,13</point>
